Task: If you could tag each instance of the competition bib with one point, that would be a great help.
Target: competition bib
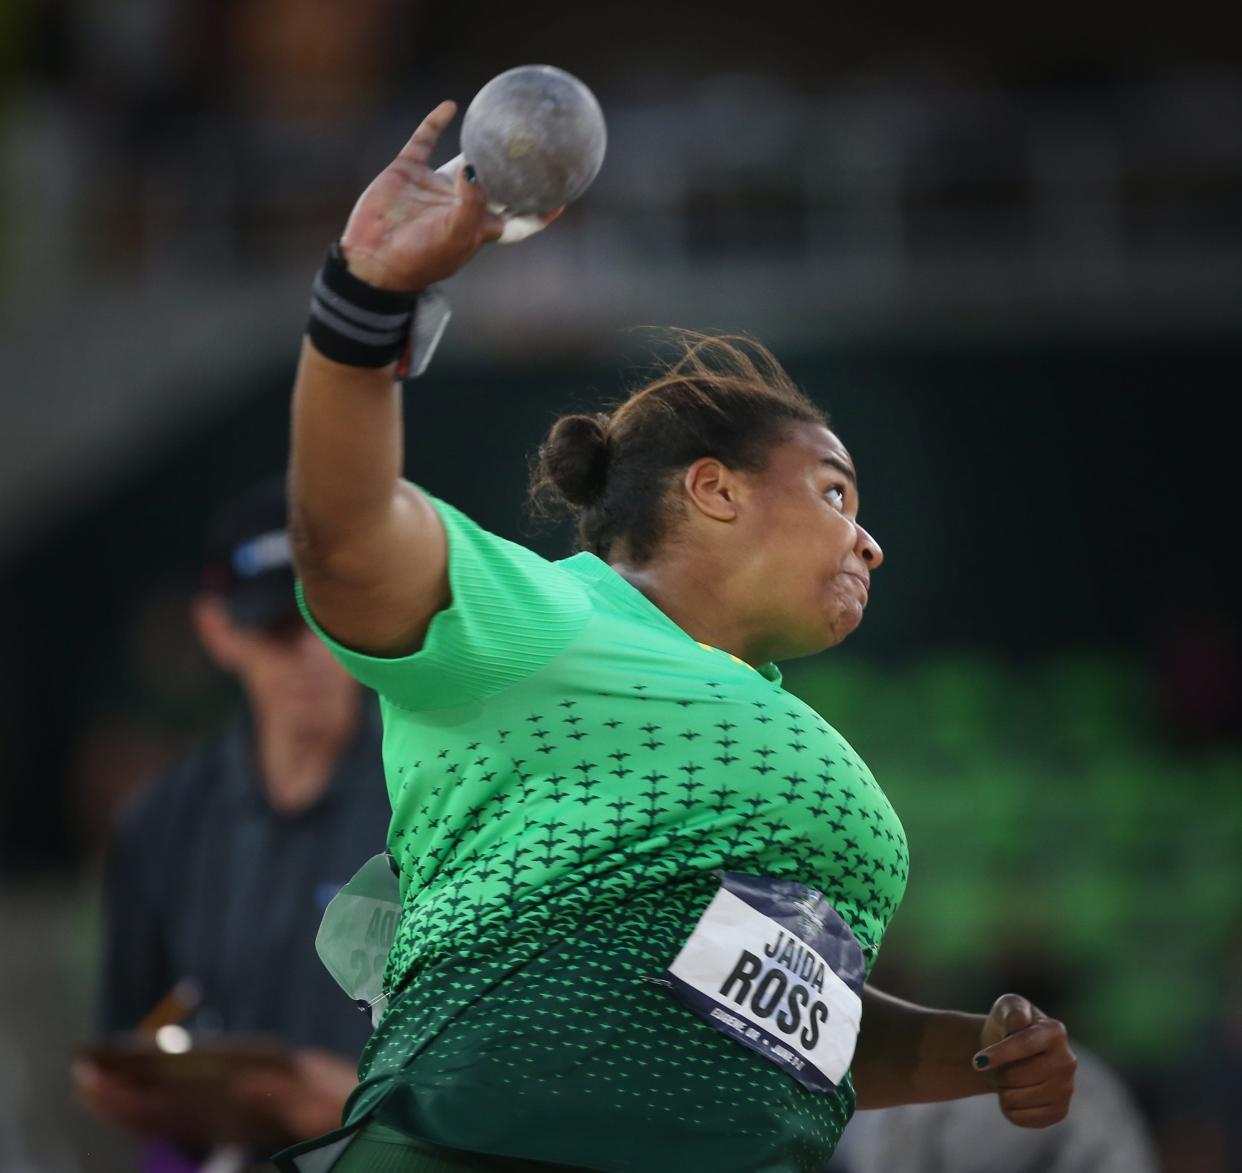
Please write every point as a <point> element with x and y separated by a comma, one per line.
<point>357,931</point>
<point>772,965</point>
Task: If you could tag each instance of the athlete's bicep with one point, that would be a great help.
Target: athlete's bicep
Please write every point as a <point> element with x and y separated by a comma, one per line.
<point>494,613</point>
<point>379,594</point>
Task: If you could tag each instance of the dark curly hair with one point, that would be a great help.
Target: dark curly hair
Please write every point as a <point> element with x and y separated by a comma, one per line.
<point>724,396</point>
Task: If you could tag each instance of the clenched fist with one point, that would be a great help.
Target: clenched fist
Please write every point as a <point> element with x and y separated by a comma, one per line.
<point>1026,1057</point>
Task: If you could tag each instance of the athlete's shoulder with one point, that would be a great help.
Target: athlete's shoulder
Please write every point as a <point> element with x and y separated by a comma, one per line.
<point>477,553</point>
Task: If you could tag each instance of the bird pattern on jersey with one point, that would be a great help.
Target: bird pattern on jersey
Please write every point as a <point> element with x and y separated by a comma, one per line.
<point>566,850</point>
<point>612,796</point>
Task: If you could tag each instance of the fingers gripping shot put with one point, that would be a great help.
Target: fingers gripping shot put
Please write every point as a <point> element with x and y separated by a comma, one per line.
<point>640,886</point>
<point>535,137</point>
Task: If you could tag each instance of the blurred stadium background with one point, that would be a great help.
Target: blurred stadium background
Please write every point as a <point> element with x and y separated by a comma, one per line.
<point>1002,246</point>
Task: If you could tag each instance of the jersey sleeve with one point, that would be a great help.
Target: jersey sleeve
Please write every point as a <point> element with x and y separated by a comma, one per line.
<point>511,613</point>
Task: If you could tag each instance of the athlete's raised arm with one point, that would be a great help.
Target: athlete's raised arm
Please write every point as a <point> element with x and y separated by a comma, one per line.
<point>368,547</point>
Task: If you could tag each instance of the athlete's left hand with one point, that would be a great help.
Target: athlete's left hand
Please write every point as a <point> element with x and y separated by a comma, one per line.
<point>1026,1057</point>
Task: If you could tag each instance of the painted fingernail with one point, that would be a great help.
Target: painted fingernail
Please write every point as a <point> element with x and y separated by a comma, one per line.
<point>470,173</point>
<point>981,1061</point>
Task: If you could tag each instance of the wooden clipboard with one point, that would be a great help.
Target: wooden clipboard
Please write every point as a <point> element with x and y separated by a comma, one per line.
<point>209,1062</point>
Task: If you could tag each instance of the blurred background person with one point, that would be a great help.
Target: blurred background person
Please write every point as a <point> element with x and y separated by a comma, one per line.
<point>1103,1133</point>
<point>219,872</point>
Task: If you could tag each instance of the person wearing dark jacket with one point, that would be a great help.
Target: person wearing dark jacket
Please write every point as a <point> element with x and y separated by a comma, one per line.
<point>218,873</point>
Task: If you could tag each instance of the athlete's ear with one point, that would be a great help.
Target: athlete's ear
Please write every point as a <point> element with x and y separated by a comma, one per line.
<point>712,488</point>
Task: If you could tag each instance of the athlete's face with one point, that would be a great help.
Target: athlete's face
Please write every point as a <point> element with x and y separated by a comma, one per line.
<point>811,560</point>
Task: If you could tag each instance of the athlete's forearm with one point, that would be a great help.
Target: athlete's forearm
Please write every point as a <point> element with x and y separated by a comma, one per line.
<point>345,458</point>
<point>909,1054</point>
<point>410,229</point>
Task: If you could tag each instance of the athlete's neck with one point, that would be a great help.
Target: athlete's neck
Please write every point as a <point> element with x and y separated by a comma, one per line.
<point>699,602</point>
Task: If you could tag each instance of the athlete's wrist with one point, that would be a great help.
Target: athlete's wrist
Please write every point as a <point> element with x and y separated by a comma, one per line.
<point>373,270</point>
<point>944,1067</point>
<point>354,322</point>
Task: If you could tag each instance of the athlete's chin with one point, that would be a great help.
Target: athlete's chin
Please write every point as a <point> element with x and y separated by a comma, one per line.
<point>844,623</point>
<point>824,630</point>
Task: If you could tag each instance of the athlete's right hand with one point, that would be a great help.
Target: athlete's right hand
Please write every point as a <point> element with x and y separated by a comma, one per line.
<point>413,227</point>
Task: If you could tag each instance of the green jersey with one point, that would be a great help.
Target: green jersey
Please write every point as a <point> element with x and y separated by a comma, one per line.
<point>569,773</point>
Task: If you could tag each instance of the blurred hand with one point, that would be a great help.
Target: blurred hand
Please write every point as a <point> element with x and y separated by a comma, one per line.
<point>300,1103</point>
<point>1026,1057</point>
<point>412,227</point>
<point>143,1110</point>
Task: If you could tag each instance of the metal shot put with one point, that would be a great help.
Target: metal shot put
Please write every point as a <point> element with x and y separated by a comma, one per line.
<point>534,138</point>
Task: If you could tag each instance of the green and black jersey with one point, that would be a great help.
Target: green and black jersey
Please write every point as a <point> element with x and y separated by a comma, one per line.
<point>569,772</point>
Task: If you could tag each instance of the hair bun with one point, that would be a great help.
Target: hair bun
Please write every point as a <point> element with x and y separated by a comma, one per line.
<point>574,458</point>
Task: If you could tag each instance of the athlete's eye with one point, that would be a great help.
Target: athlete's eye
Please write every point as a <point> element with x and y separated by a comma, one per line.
<point>836,494</point>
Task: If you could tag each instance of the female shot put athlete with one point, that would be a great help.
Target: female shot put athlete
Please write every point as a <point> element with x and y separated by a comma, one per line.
<point>642,885</point>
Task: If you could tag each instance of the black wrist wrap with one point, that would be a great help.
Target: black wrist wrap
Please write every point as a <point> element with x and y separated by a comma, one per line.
<point>354,323</point>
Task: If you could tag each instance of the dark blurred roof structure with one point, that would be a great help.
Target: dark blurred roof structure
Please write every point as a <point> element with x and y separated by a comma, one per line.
<point>1066,171</point>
